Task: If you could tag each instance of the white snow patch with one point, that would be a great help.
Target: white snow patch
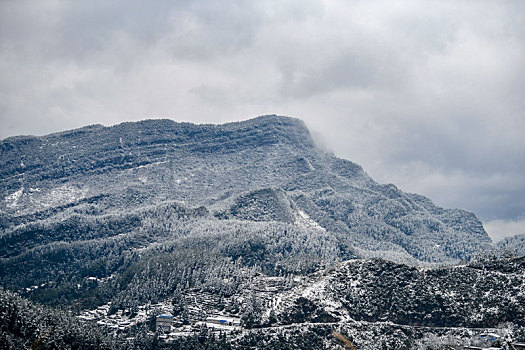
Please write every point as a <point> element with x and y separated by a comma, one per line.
<point>12,199</point>
<point>314,289</point>
<point>64,194</point>
<point>355,283</point>
<point>151,164</point>
<point>303,220</point>
<point>32,288</point>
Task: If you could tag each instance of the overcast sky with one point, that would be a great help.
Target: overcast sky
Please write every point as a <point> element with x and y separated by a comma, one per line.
<point>428,95</point>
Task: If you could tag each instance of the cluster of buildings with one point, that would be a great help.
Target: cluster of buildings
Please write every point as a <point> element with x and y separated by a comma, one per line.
<point>491,341</point>
<point>164,323</point>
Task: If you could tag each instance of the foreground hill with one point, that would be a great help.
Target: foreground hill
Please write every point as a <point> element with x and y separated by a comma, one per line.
<point>479,295</point>
<point>378,304</point>
<point>374,304</point>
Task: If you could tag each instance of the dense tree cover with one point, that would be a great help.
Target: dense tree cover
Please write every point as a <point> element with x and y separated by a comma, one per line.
<point>174,248</point>
<point>516,244</point>
<point>222,257</point>
<point>484,294</point>
<point>148,253</point>
<point>24,325</point>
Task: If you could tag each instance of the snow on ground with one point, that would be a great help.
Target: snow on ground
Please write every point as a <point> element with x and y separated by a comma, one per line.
<point>122,319</point>
<point>315,289</point>
<point>218,327</point>
<point>62,195</point>
<point>150,165</point>
<point>303,220</point>
<point>12,199</point>
<point>200,306</point>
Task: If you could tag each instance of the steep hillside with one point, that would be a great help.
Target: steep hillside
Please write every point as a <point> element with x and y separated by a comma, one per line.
<point>106,201</point>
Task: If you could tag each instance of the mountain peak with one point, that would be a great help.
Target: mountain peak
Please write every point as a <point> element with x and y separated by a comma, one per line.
<point>274,119</point>
<point>228,168</point>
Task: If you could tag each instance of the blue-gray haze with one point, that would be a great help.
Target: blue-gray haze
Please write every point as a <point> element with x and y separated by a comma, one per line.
<point>424,95</point>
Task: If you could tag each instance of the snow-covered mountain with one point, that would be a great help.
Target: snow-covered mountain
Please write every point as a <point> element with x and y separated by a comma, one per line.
<point>250,220</point>
<point>264,169</point>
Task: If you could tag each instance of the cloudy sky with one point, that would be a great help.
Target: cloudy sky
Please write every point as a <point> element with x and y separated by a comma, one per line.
<point>428,95</point>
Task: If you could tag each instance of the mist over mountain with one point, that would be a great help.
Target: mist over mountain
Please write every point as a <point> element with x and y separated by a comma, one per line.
<point>128,221</point>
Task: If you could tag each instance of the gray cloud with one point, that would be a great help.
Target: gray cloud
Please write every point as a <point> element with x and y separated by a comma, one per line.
<point>500,229</point>
<point>425,95</point>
